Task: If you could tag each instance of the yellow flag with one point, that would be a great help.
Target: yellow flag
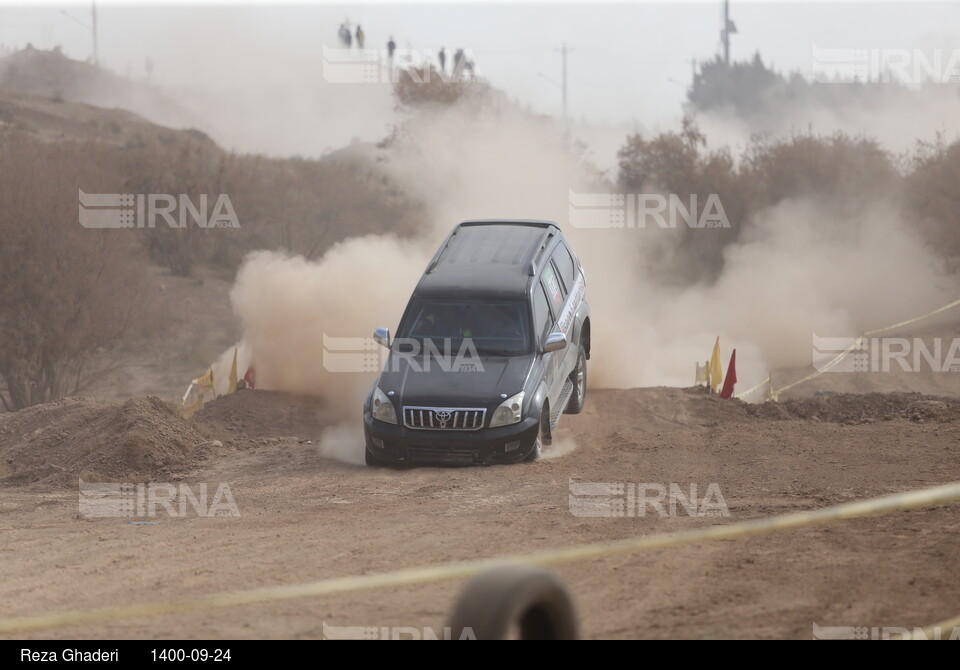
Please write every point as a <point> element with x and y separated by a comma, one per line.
<point>232,383</point>
<point>716,373</point>
<point>205,381</point>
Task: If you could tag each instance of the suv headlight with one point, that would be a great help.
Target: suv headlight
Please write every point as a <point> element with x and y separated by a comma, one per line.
<point>381,408</point>
<point>510,411</point>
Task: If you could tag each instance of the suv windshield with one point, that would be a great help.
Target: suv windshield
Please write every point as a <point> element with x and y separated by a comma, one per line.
<point>494,327</point>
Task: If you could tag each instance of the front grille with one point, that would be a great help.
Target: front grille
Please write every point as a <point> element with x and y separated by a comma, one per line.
<point>436,455</point>
<point>443,418</point>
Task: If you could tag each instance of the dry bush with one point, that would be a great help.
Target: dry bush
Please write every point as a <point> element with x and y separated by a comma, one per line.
<point>66,292</point>
<point>837,167</point>
<point>680,164</point>
<point>933,193</point>
<point>840,171</point>
<point>305,206</point>
<point>187,167</point>
<point>298,205</point>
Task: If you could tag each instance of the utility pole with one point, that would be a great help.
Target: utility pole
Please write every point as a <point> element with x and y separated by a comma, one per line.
<point>725,34</point>
<point>96,43</point>
<point>92,28</point>
<point>726,30</point>
<point>564,50</point>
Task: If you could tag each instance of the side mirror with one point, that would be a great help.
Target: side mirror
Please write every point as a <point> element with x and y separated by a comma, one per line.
<point>382,336</point>
<point>555,342</point>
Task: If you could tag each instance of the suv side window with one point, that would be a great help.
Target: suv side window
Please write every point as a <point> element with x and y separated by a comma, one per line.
<point>542,318</point>
<point>555,291</point>
<point>565,265</point>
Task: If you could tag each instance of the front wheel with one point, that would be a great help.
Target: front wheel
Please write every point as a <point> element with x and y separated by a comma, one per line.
<point>372,460</point>
<point>579,379</point>
<point>543,435</point>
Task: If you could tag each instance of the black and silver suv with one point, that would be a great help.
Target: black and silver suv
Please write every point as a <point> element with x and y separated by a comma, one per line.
<point>491,350</point>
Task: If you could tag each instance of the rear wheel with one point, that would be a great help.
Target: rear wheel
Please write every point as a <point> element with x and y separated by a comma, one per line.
<point>579,379</point>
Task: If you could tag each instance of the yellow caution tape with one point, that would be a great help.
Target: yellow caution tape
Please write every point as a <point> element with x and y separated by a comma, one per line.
<point>915,319</point>
<point>885,504</point>
<point>775,395</point>
<point>751,390</point>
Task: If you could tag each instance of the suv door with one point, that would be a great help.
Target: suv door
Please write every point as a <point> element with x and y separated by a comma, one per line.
<point>569,355</point>
<point>557,296</point>
<point>544,324</point>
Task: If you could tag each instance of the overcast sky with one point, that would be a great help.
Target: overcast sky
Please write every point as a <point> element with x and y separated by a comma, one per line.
<point>630,62</point>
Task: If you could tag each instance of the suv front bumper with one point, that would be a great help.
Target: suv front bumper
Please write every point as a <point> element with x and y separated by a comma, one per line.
<point>392,443</point>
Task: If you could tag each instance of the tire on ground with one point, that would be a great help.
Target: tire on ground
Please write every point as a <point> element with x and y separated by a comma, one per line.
<point>578,397</point>
<point>528,600</point>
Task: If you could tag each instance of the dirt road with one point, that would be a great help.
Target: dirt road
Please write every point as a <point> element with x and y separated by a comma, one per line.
<point>305,517</point>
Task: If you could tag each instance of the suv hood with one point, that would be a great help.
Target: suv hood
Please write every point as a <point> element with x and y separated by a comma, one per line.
<point>434,386</point>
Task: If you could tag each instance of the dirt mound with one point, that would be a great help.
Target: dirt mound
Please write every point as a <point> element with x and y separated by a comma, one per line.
<point>148,439</point>
<point>258,414</point>
<point>851,408</point>
<point>57,443</point>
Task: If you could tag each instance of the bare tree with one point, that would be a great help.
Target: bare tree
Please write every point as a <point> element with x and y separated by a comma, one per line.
<point>66,292</point>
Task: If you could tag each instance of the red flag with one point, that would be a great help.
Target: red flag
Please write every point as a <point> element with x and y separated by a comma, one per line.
<point>250,377</point>
<point>731,377</point>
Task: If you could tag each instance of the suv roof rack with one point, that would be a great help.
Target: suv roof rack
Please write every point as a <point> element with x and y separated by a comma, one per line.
<point>537,223</point>
<point>534,265</point>
<point>550,228</point>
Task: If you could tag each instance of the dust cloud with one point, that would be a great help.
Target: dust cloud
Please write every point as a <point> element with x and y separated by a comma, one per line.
<point>801,267</point>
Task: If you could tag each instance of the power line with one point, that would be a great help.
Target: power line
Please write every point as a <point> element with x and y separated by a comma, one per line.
<point>92,28</point>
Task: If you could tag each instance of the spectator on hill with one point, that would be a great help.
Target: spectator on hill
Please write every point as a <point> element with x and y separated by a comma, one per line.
<point>458,63</point>
<point>346,39</point>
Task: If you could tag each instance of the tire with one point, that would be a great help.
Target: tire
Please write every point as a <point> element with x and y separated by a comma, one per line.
<point>543,436</point>
<point>530,599</point>
<point>372,460</point>
<point>579,379</point>
<point>534,455</point>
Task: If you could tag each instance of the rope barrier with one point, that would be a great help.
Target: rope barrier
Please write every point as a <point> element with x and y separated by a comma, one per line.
<point>775,395</point>
<point>947,493</point>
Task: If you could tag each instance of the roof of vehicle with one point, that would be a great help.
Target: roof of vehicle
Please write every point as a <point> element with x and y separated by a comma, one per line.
<point>492,258</point>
